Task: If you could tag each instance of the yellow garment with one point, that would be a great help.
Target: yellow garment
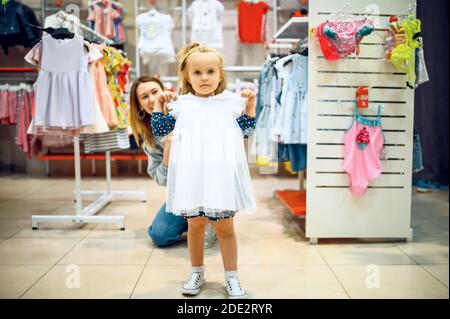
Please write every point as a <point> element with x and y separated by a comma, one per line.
<point>288,167</point>
<point>403,55</point>
<point>263,161</point>
<point>114,64</point>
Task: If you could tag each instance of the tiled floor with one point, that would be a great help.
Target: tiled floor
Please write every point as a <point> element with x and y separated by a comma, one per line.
<point>275,258</point>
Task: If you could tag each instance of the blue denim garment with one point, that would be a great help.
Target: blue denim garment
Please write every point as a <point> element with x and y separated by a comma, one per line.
<point>295,153</point>
<point>417,154</point>
<point>296,113</point>
<point>166,228</point>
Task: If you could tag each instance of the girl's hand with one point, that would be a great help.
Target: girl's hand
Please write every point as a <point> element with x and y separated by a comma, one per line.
<point>250,109</point>
<point>161,100</point>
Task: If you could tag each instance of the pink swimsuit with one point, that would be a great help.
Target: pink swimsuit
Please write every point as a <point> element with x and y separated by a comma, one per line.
<point>363,144</point>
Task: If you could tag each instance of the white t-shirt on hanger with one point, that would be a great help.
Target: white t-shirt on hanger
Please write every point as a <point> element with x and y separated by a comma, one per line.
<point>155,40</point>
<point>206,22</point>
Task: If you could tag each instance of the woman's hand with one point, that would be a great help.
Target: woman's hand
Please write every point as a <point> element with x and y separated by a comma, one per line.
<point>166,152</point>
<point>250,109</point>
<point>161,100</point>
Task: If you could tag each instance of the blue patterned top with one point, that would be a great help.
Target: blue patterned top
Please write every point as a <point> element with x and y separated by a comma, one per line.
<point>163,124</point>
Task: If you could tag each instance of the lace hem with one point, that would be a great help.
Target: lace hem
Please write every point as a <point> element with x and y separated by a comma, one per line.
<point>207,212</point>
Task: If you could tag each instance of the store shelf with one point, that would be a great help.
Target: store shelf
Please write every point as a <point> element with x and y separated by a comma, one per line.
<point>294,30</point>
<point>294,200</point>
<point>242,68</point>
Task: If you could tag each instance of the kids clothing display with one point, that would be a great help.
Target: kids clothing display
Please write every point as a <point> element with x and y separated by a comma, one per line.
<point>63,73</point>
<point>155,37</point>
<point>206,22</point>
<point>402,39</point>
<point>14,16</point>
<point>341,38</point>
<point>105,17</point>
<point>363,146</point>
<point>208,171</point>
<point>282,107</point>
<point>252,21</point>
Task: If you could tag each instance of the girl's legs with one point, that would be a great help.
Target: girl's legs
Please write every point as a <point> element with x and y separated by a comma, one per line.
<point>196,239</point>
<point>228,244</point>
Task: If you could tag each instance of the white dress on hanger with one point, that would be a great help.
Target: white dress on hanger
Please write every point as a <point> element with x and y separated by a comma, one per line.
<point>64,91</point>
<point>99,125</point>
<point>208,170</point>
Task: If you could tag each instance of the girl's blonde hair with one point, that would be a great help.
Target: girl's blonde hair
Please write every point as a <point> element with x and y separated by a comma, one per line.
<point>183,79</point>
<point>142,131</point>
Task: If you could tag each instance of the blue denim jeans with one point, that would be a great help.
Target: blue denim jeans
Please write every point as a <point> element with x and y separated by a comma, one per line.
<point>417,154</point>
<point>166,228</point>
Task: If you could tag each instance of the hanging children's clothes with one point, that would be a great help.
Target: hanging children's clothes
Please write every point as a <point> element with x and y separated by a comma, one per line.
<point>264,81</point>
<point>252,21</point>
<point>102,94</point>
<point>401,53</point>
<point>363,146</point>
<point>117,68</point>
<point>155,37</point>
<point>339,39</point>
<point>421,68</point>
<point>119,33</point>
<point>101,18</point>
<point>108,141</point>
<point>206,22</point>
<point>295,154</point>
<point>65,97</point>
<point>264,147</point>
<point>294,128</point>
<point>208,157</point>
<point>13,30</point>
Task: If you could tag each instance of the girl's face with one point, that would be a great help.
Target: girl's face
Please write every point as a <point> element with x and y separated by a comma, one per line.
<point>204,73</point>
<point>146,94</point>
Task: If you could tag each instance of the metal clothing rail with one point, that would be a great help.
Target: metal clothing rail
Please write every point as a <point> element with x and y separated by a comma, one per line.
<point>64,16</point>
<point>88,214</point>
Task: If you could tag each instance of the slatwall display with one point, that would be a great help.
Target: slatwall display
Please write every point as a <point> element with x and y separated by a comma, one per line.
<point>384,211</point>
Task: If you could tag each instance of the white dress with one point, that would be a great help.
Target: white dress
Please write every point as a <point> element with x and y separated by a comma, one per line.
<point>208,170</point>
<point>64,91</point>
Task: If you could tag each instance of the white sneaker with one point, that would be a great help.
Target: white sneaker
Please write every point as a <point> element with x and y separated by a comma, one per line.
<point>194,284</point>
<point>210,236</point>
<point>234,288</point>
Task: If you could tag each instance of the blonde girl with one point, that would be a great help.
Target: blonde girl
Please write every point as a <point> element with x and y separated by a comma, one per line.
<point>208,177</point>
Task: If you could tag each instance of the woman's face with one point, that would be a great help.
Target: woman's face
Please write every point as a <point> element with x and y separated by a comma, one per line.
<point>146,94</point>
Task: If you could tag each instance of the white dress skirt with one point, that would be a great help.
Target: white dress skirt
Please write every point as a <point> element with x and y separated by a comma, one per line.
<point>208,169</point>
<point>64,91</point>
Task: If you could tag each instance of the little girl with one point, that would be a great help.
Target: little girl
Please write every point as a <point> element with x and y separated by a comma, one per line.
<point>208,176</point>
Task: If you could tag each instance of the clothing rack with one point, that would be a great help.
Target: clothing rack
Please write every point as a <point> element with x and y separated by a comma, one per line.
<point>88,214</point>
<point>183,9</point>
<point>64,16</point>
<point>138,9</point>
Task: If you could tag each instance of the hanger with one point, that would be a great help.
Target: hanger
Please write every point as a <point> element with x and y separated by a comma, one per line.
<point>408,12</point>
<point>340,12</point>
<point>59,33</point>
